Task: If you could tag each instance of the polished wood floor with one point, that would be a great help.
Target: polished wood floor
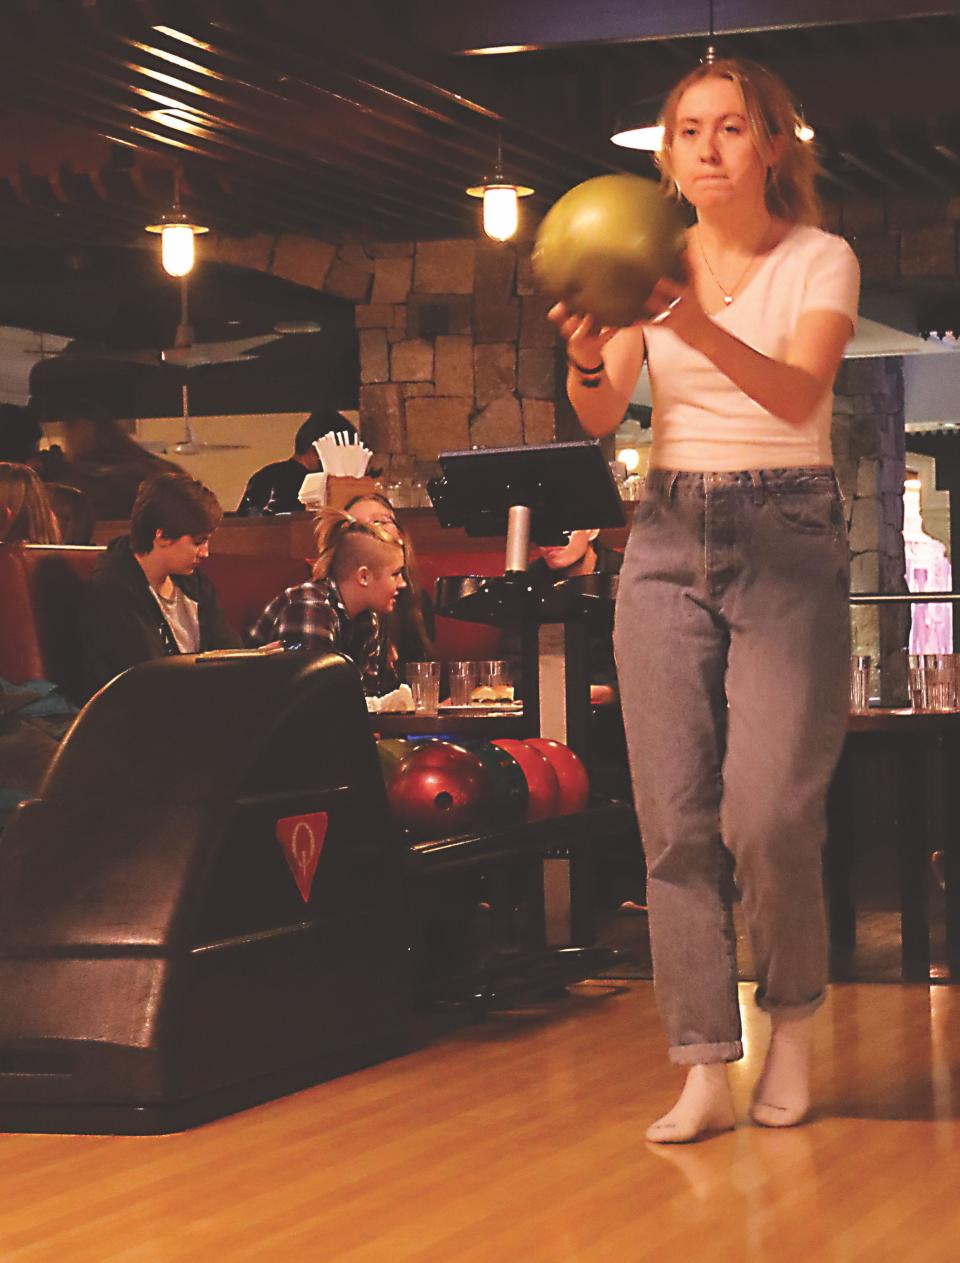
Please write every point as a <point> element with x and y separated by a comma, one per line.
<point>522,1139</point>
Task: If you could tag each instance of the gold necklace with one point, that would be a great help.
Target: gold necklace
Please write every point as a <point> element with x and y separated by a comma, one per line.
<point>730,294</point>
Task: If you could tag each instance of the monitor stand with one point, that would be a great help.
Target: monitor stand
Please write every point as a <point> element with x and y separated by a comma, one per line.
<point>558,488</point>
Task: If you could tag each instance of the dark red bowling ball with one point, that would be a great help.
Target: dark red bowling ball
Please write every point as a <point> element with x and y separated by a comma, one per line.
<point>440,790</point>
<point>571,774</point>
<point>542,787</point>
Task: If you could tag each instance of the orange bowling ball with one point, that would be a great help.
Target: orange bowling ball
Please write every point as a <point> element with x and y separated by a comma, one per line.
<point>572,779</point>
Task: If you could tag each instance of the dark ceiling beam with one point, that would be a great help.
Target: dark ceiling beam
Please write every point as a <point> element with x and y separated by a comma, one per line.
<point>364,140</point>
<point>391,118</point>
<point>325,140</point>
<point>310,206</point>
<point>912,148</point>
<point>438,26</point>
<point>403,68</point>
<point>366,192</point>
<point>345,120</point>
<point>873,166</point>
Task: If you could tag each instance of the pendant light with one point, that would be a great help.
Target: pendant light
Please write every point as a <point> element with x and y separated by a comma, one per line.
<point>639,126</point>
<point>177,232</point>
<point>500,201</point>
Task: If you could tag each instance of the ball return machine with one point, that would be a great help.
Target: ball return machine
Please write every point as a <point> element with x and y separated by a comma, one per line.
<point>538,495</point>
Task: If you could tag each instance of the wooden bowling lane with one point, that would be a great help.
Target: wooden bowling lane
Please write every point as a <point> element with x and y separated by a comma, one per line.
<point>521,1138</point>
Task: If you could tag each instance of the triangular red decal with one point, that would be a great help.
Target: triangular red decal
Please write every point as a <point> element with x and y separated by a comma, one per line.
<point>302,839</point>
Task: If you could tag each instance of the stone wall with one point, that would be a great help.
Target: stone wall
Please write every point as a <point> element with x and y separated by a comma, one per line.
<point>455,352</point>
<point>455,347</point>
<point>869,453</point>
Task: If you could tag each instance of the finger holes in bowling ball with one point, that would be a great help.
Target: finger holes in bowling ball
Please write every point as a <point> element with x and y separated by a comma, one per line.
<point>439,790</point>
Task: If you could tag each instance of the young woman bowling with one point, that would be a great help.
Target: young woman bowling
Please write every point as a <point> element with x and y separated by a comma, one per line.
<point>354,585</point>
<point>732,632</point>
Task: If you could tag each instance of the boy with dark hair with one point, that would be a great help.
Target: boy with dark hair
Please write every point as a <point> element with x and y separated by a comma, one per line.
<point>275,488</point>
<point>146,598</point>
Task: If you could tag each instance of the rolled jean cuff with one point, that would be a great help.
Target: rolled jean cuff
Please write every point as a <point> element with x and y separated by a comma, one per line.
<point>705,1054</point>
<point>788,1012</point>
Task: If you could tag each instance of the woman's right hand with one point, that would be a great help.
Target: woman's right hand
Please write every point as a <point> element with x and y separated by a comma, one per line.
<point>584,337</point>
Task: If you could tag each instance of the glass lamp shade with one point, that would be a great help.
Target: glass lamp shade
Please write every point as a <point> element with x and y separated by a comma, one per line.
<point>648,137</point>
<point>177,249</point>
<point>500,205</point>
<point>500,211</point>
<point>638,126</point>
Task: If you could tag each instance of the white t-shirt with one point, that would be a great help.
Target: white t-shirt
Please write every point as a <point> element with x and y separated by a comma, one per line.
<point>701,420</point>
<point>183,618</point>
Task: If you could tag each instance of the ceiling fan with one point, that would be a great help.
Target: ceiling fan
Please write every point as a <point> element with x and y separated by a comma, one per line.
<point>189,445</point>
<point>188,353</point>
<point>47,345</point>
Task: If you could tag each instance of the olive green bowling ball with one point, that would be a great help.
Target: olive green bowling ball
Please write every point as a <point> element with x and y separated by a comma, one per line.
<point>391,752</point>
<point>604,245</point>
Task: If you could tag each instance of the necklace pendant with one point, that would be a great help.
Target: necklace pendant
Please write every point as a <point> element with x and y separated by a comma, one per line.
<point>727,300</point>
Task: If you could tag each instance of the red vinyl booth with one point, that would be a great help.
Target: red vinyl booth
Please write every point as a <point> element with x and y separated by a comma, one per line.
<point>41,587</point>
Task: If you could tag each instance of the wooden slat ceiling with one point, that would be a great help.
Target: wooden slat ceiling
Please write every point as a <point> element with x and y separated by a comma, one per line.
<point>365,120</point>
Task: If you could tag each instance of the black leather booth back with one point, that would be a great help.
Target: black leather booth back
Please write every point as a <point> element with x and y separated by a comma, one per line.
<point>158,964</point>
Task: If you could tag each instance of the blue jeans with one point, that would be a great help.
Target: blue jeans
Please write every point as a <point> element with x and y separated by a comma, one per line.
<point>732,641</point>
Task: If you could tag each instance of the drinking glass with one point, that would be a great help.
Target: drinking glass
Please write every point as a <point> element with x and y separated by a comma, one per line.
<point>463,680</point>
<point>424,681</point>
<point>941,681</point>
<point>917,680</point>
<point>493,672</point>
<point>860,682</point>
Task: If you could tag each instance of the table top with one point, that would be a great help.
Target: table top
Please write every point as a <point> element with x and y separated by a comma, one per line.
<point>511,724</point>
<point>483,726</point>
<point>927,722</point>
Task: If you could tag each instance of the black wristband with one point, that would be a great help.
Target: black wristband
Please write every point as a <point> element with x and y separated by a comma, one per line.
<point>587,372</point>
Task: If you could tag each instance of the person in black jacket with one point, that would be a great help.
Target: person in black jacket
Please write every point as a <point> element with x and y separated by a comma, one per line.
<point>276,488</point>
<point>146,598</point>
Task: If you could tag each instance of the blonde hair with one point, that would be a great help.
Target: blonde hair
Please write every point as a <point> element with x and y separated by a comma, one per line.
<point>344,545</point>
<point>25,513</point>
<point>772,118</point>
<point>409,603</point>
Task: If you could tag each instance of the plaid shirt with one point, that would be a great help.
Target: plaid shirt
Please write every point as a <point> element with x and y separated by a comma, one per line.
<point>312,616</point>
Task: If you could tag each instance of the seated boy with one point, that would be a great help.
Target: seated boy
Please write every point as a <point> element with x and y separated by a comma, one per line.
<point>356,578</point>
<point>146,598</point>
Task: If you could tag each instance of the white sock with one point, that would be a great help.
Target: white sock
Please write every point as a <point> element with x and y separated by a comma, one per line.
<point>782,1095</point>
<point>705,1105</point>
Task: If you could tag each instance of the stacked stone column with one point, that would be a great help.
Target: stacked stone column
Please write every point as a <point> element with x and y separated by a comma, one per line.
<point>869,452</point>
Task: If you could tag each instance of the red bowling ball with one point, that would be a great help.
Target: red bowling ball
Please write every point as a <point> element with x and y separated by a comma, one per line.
<point>571,774</point>
<point>542,786</point>
<point>440,790</point>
